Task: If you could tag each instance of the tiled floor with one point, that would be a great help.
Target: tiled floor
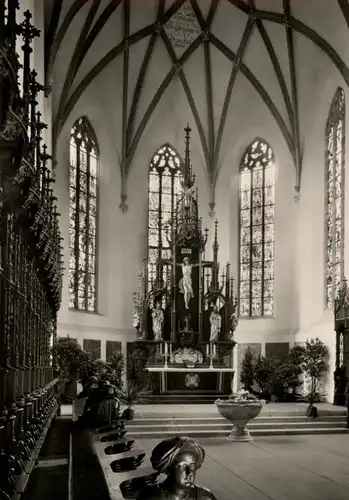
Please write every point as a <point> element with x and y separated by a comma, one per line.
<point>275,468</point>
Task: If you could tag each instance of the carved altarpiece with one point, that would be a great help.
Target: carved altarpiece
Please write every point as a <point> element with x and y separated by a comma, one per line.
<point>188,287</point>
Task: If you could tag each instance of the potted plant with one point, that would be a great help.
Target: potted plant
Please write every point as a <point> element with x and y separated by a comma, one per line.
<point>117,367</point>
<point>314,366</point>
<point>247,370</point>
<point>288,373</point>
<point>71,362</point>
<point>130,395</point>
<point>264,372</point>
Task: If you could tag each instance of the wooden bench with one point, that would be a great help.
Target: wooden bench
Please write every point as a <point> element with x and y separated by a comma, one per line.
<point>124,484</point>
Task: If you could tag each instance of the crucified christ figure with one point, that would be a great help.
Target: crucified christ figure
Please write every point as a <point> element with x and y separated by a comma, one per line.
<point>185,283</point>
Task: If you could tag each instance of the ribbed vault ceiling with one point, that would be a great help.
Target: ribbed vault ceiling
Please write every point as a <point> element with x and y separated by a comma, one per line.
<point>110,29</point>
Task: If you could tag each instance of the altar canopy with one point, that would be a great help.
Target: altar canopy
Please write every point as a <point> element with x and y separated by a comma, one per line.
<point>185,311</point>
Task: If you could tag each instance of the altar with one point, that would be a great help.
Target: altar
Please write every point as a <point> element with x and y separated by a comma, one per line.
<point>197,380</point>
<point>186,312</point>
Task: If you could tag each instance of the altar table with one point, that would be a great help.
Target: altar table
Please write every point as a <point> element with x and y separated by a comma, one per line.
<point>196,380</point>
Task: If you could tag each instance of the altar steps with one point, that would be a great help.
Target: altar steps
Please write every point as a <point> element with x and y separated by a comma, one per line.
<point>213,426</point>
<point>180,399</point>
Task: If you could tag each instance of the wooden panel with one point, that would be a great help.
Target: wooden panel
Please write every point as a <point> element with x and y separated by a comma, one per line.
<point>93,347</point>
<point>112,347</point>
<point>277,351</point>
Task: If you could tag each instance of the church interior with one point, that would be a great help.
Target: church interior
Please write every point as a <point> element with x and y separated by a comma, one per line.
<point>173,202</point>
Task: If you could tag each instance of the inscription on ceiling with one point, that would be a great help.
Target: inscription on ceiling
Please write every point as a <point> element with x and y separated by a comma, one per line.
<point>182,28</point>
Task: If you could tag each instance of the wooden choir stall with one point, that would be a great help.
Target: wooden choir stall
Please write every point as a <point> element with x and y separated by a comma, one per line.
<point>185,311</point>
<point>30,260</point>
<point>341,327</point>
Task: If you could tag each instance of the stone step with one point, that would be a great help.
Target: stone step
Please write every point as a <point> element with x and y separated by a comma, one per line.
<point>182,401</point>
<point>219,420</point>
<point>210,411</point>
<point>185,428</point>
<point>308,430</point>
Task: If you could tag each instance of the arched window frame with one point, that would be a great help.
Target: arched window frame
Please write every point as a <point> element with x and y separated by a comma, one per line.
<point>250,275</point>
<point>166,157</point>
<point>82,133</point>
<point>334,197</point>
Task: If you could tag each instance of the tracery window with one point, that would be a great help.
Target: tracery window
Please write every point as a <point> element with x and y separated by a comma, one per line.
<point>257,231</point>
<point>164,190</point>
<point>334,181</point>
<point>83,199</point>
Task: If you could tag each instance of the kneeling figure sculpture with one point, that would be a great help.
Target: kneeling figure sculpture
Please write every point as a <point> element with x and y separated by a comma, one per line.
<point>179,458</point>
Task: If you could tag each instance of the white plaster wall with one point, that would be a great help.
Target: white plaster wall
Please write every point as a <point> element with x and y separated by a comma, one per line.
<point>314,319</point>
<point>299,247</point>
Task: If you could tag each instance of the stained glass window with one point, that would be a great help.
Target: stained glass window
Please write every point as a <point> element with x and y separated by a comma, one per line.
<point>83,200</point>
<point>164,190</point>
<point>257,231</point>
<point>334,170</point>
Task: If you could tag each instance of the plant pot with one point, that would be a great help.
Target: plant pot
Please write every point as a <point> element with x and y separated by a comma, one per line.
<point>239,413</point>
<point>128,414</point>
<point>311,411</point>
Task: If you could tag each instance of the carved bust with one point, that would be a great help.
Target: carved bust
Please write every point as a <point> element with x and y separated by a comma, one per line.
<point>179,458</point>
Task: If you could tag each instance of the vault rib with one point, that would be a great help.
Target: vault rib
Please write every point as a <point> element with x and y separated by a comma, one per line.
<point>159,93</point>
<point>208,86</point>
<point>52,28</point>
<point>344,6</point>
<point>277,68</point>
<point>97,28</point>
<point>142,74</point>
<point>73,67</point>
<point>211,13</point>
<point>74,9</point>
<point>259,88</point>
<point>95,71</point>
<point>232,79</point>
<point>126,65</point>
<point>294,94</point>
<point>178,65</point>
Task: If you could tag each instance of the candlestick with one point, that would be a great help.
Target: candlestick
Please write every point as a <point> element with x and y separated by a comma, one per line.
<point>166,354</point>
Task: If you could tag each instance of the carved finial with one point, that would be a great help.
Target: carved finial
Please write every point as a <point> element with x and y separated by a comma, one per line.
<point>297,196</point>
<point>211,211</point>
<point>123,205</point>
<point>188,177</point>
<point>215,245</point>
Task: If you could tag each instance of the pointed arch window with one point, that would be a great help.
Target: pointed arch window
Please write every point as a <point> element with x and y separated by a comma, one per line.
<point>164,190</point>
<point>257,231</point>
<point>334,182</point>
<point>83,201</point>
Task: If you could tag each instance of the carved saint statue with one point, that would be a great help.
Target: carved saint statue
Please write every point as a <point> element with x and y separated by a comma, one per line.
<point>158,321</point>
<point>185,284</point>
<point>216,324</point>
<point>233,323</point>
<point>179,458</point>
